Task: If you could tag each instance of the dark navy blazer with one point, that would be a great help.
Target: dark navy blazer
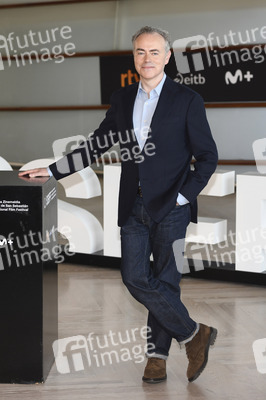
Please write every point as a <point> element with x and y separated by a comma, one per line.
<point>179,130</point>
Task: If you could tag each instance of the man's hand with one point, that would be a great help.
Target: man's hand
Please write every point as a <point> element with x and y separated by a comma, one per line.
<point>33,173</point>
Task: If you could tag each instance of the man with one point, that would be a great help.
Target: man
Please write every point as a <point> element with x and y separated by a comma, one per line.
<point>158,196</point>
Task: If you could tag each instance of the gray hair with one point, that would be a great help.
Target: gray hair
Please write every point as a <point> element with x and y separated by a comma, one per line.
<point>151,30</point>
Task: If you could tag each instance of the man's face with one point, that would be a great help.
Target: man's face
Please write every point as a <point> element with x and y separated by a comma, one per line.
<point>150,56</point>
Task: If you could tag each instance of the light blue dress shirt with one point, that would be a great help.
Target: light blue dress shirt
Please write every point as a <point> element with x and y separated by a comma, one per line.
<point>144,108</point>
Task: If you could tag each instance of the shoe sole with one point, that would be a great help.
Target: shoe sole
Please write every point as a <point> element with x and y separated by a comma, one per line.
<point>155,380</point>
<point>211,342</point>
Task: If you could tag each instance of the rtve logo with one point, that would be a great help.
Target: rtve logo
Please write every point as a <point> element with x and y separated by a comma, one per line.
<point>129,78</point>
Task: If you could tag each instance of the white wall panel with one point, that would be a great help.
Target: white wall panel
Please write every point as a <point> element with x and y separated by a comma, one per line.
<point>26,136</point>
<point>92,23</point>
<point>183,19</point>
<point>75,81</point>
<point>105,26</point>
<point>235,129</point>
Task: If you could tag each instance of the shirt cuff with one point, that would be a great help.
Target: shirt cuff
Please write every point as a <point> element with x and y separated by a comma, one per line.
<point>181,200</point>
<point>49,171</point>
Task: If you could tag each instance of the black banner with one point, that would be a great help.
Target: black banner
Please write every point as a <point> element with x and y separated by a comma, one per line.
<point>220,75</point>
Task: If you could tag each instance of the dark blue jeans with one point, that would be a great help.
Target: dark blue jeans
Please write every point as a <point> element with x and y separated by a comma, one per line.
<point>157,287</point>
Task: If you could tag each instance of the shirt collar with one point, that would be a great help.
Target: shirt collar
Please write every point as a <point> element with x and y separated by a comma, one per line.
<point>156,91</point>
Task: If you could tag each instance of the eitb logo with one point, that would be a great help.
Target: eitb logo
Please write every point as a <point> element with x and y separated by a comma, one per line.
<point>28,48</point>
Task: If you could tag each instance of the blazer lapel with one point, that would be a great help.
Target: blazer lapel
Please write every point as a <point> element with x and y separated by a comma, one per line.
<point>129,105</point>
<point>164,104</point>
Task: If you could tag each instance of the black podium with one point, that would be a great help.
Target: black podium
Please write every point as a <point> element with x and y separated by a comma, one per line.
<point>28,277</point>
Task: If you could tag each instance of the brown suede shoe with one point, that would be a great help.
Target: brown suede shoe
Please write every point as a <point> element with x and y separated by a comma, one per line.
<point>155,370</point>
<point>198,349</point>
